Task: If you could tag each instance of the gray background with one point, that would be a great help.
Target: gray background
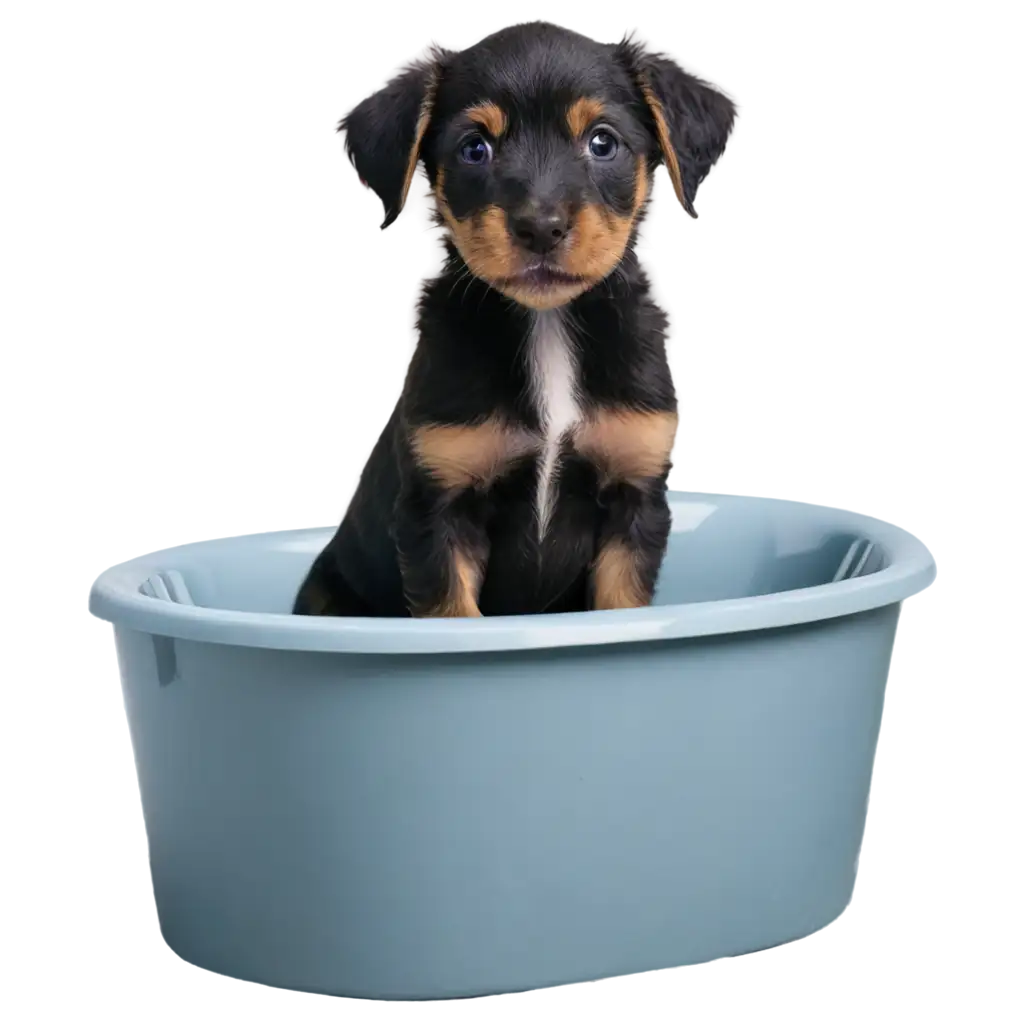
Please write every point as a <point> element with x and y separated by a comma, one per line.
<point>192,341</point>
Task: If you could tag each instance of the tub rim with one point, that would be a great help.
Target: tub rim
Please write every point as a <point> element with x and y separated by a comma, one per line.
<point>115,597</point>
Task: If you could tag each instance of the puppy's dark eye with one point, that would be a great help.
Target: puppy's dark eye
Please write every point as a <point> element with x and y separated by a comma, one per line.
<point>475,150</point>
<point>603,145</point>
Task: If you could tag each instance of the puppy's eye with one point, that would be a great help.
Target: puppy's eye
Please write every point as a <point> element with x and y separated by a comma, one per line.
<point>603,145</point>
<point>475,150</point>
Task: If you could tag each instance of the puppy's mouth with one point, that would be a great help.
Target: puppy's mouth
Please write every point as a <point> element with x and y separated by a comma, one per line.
<point>541,276</point>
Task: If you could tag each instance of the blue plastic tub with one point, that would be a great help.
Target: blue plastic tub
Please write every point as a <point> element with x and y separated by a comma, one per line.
<point>424,809</point>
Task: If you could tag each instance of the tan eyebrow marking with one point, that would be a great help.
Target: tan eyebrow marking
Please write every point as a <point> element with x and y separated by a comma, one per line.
<point>489,116</point>
<point>582,114</point>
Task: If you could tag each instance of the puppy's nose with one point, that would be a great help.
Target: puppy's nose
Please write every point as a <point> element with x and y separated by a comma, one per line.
<point>540,231</point>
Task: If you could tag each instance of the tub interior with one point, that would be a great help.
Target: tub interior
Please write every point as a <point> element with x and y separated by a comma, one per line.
<point>719,549</point>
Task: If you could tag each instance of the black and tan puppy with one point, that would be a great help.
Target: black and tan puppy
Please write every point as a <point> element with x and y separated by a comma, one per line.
<point>524,467</point>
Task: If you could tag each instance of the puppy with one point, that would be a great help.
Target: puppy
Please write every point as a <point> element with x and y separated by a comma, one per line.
<point>524,468</point>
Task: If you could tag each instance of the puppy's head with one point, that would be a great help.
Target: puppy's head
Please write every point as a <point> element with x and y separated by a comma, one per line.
<point>539,145</point>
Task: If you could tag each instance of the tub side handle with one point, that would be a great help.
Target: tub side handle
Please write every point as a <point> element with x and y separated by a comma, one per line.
<point>166,585</point>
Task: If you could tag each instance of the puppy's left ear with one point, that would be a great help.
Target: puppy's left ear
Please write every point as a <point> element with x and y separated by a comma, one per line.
<point>691,119</point>
<point>383,134</point>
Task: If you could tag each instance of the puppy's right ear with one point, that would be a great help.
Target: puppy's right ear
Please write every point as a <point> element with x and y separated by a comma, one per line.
<point>383,133</point>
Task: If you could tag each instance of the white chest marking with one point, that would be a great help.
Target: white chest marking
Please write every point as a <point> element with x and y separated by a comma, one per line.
<point>554,387</point>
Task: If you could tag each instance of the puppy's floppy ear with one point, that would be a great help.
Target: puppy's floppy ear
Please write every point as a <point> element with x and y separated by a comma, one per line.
<point>691,119</point>
<point>380,137</point>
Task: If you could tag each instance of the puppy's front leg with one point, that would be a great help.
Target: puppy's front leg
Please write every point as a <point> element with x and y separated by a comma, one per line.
<point>442,548</point>
<point>631,544</point>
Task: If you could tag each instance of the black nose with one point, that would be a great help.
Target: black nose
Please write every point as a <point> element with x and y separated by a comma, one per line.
<point>540,230</point>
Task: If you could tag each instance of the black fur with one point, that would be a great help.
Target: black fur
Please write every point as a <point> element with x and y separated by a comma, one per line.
<point>379,135</point>
<point>392,554</point>
<point>700,118</point>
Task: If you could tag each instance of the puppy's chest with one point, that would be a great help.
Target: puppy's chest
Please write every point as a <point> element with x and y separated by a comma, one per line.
<point>620,442</point>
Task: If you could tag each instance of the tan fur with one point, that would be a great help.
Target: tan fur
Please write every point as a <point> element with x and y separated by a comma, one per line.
<point>483,239</point>
<point>665,141</point>
<point>458,457</point>
<point>593,249</point>
<point>616,580</point>
<point>486,245</point>
<point>599,237</point>
<point>426,107</point>
<point>490,117</point>
<point>461,600</point>
<point>627,444</point>
<point>582,114</point>
<point>549,298</point>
